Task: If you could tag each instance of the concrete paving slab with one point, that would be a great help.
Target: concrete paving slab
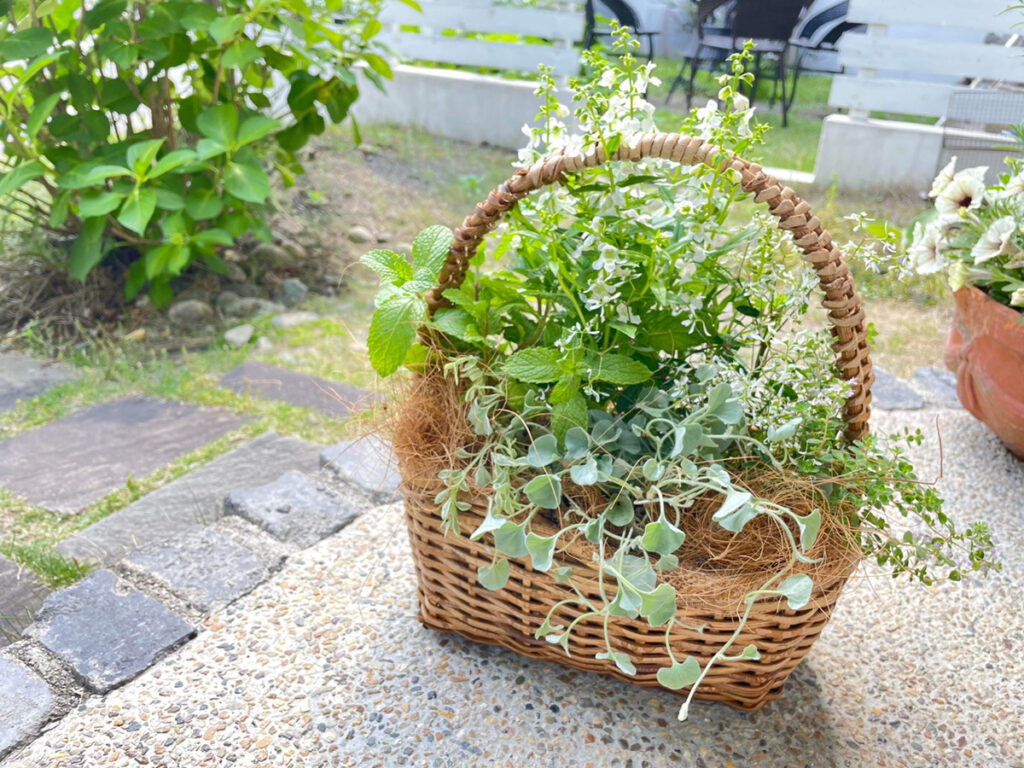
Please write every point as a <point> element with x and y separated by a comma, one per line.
<point>367,463</point>
<point>105,634</point>
<point>70,463</point>
<point>272,383</point>
<point>25,704</point>
<point>23,377</point>
<point>21,594</point>
<point>195,498</point>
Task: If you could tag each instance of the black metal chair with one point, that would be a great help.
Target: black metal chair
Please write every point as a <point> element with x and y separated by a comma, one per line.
<point>769,23</point>
<point>626,17</point>
<point>817,34</point>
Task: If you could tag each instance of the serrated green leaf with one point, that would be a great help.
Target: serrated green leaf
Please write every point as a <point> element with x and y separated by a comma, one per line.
<point>565,416</point>
<point>430,250</point>
<point>545,491</point>
<point>535,365</point>
<point>680,675</point>
<point>493,577</point>
<point>616,369</point>
<point>662,537</point>
<point>458,324</point>
<point>391,267</point>
<point>541,549</point>
<point>797,590</point>
<point>393,330</point>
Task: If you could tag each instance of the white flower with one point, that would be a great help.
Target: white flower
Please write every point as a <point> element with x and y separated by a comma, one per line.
<point>925,251</point>
<point>996,241</point>
<point>1014,187</point>
<point>561,110</point>
<point>966,190</point>
<point>607,78</point>
<point>1017,298</point>
<point>957,275</point>
<point>740,103</point>
<point>943,179</point>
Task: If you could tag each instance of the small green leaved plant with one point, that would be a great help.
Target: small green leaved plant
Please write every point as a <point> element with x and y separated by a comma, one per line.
<point>626,336</point>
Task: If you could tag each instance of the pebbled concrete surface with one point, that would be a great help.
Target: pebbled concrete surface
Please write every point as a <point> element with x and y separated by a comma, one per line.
<point>326,665</point>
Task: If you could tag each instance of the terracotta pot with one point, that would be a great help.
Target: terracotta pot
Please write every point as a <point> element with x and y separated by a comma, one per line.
<point>985,350</point>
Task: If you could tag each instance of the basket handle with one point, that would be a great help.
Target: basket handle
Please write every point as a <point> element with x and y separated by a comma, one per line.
<point>844,305</point>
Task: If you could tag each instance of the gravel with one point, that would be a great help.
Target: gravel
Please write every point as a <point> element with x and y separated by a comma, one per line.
<point>326,665</point>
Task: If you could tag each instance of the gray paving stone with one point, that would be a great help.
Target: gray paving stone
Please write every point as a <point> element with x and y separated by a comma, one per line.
<point>21,594</point>
<point>891,394</point>
<point>22,377</point>
<point>938,386</point>
<point>68,464</point>
<point>368,464</point>
<point>202,566</point>
<point>25,704</point>
<point>272,383</point>
<point>292,509</point>
<point>195,498</point>
<point>107,637</point>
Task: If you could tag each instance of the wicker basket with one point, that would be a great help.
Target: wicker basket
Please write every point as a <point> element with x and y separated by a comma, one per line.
<point>450,598</point>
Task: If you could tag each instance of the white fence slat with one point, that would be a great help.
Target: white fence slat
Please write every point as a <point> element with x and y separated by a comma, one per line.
<point>980,15</point>
<point>482,17</point>
<point>993,62</point>
<point>878,94</point>
<point>483,53</point>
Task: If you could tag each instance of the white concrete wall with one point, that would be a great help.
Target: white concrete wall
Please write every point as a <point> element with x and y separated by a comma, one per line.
<point>459,105</point>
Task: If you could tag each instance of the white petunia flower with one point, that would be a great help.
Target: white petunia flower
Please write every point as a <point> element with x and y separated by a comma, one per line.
<point>1017,298</point>
<point>943,179</point>
<point>965,191</point>
<point>996,241</point>
<point>1014,187</point>
<point>925,251</point>
<point>957,275</point>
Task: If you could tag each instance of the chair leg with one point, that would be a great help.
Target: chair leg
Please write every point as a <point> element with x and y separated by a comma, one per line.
<point>757,76</point>
<point>780,79</point>
<point>676,82</point>
<point>796,76</point>
<point>691,85</point>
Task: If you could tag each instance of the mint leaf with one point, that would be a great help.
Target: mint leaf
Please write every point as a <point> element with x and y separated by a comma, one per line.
<point>570,415</point>
<point>388,265</point>
<point>429,251</point>
<point>535,365</point>
<point>393,331</point>
<point>619,370</point>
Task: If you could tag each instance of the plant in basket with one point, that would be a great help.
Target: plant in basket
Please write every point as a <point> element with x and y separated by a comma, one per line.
<point>620,450</point>
<point>974,234</point>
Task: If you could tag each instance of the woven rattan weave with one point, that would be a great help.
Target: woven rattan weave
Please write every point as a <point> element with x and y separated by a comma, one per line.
<point>450,597</point>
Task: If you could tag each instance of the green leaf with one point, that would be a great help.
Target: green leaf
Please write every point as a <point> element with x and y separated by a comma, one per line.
<point>393,331</point>
<point>562,574</point>
<point>98,203</point>
<point>26,44</point>
<point>40,113</point>
<point>255,128</point>
<point>687,439</point>
<point>220,123</point>
<point>809,526</point>
<point>541,549</point>
<point>213,236</point>
<point>535,365</point>
<point>736,511</point>
<point>203,204</point>
<point>490,523</point>
<point>87,250</point>
<point>378,65</point>
<point>577,443</point>
<point>90,175</point>
<point>750,653</point>
<point>585,473</point>
<point>137,210</point>
<point>621,512</point>
<point>171,161</point>
<point>622,661</point>
<point>543,451</point>
<point>565,416</point>
<point>680,676</point>
<point>724,405</point>
<point>493,577</point>
<point>226,27</point>
<point>667,563</point>
<point>659,606</point>
<point>545,491</point>
<point>619,370</point>
<point>168,200</point>
<point>430,250</point>
<point>391,267</point>
<point>247,182</point>
<point>141,154</point>
<point>240,53</point>
<point>797,590</point>
<point>510,539</point>
<point>565,390</point>
<point>662,537</point>
<point>19,176</point>
<point>457,323</point>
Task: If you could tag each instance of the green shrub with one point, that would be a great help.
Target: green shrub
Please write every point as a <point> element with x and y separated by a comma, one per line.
<point>150,127</point>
